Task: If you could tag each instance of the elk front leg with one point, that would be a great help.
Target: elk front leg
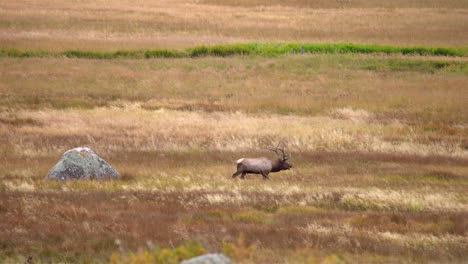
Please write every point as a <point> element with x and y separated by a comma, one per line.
<point>265,175</point>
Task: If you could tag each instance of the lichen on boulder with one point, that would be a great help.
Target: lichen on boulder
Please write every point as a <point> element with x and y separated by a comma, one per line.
<point>82,163</point>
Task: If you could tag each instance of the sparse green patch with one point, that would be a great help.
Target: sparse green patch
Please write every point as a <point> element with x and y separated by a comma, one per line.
<point>248,49</point>
<point>267,49</point>
<point>435,177</point>
<point>211,216</point>
<point>358,205</point>
<point>243,217</point>
<point>427,66</point>
<point>268,208</point>
<point>251,217</point>
<point>13,120</point>
<point>160,255</point>
<point>238,250</point>
<point>301,210</point>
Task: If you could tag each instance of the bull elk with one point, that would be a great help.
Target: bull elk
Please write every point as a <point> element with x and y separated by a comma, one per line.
<point>263,166</point>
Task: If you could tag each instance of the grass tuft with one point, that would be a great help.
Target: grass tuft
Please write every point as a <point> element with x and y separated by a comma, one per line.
<point>245,49</point>
<point>161,255</point>
<point>272,49</point>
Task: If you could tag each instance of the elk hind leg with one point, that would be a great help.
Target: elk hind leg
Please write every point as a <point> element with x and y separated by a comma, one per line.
<point>239,171</point>
<point>243,175</point>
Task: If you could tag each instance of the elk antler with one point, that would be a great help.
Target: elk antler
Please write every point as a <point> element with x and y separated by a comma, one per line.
<point>283,155</point>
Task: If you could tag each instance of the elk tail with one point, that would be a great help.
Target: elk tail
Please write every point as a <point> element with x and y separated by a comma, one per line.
<point>239,160</point>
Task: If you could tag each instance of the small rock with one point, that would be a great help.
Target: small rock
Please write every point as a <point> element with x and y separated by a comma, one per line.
<point>81,163</point>
<point>208,259</point>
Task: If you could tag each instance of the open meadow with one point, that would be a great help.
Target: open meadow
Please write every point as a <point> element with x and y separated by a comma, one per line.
<point>378,142</point>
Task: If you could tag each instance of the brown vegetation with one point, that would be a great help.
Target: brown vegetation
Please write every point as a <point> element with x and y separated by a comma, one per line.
<point>379,203</point>
<point>374,179</point>
<point>71,226</point>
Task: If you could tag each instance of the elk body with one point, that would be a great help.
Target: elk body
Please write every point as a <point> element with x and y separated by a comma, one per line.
<point>262,166</point>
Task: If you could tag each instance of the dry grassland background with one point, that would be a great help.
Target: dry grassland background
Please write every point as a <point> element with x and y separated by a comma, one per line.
<point>111,24</point>
<point>379,143</point>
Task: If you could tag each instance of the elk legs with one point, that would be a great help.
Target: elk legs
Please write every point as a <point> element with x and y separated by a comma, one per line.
<point>243,175</point>
<point>265,175</point>
<point>237,173</point>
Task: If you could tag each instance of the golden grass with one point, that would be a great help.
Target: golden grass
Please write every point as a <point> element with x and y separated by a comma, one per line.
<point>373,198</point>
<point>344,4</point>
<point>135,129</point>
<point>402,200</point>
<point>345,236</point>
<point>416,92</point>
<point>111,25</point>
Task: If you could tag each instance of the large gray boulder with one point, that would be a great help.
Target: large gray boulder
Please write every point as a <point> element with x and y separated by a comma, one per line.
<point>208,259</point>
<point>82,163</point>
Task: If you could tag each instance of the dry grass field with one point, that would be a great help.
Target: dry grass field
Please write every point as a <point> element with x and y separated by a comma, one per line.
<point>112,24</point>
<point>379,143</point>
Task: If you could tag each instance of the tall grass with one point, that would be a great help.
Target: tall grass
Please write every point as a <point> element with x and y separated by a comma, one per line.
<point>244,49</point>
<point>294,48</point>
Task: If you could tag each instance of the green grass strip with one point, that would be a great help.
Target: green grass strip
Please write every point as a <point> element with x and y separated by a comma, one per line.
<point>244,49</point>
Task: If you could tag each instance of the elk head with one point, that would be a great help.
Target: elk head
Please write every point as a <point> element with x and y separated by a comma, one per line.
<point>282,157</point>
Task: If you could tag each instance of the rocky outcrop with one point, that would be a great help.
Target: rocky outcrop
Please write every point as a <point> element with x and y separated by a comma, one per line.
<point>82,163</point>
<point>208,259</point>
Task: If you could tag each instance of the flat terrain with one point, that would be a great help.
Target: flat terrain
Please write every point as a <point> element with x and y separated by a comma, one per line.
<point>379,143</point>
<point>113,24</point>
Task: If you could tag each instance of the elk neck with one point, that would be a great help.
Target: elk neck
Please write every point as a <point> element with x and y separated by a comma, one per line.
<point>276,165</point>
